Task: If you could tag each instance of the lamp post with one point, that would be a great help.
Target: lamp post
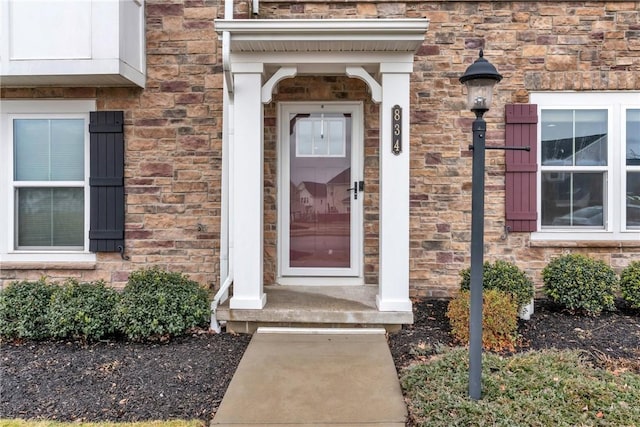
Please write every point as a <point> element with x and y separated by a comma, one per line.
<point>479,78</point>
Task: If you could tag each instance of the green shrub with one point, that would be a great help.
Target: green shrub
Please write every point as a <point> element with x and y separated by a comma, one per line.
<point>581,284</point>
<point>23,309</point>
<point>499,319</point>
<point>630,284</point>
<point>157,304</point>
<point>505,277</point>
<point>82,310</point>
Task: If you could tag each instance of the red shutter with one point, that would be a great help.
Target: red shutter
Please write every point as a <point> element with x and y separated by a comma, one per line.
<point>520,178</point>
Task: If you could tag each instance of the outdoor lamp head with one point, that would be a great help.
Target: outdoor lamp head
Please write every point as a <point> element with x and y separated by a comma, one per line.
<point>480,78</point>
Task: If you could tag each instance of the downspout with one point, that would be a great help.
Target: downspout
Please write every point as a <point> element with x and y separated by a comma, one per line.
<point>226,203</point>
<point>226,214</point>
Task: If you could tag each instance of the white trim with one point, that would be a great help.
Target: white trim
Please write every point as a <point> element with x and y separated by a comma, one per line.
<point>628,168</point>
<point>397,67</point>
<point>393,305</point>
<point>46,106</point>
<point>248,67</point>
<point>47,257</point>
<point>315,28</point>
<point>318,63</point>
<point>291,35</point>
<point>270,85</point>
<point>615,102</point>
<point>247,303</point>
<point>319,281</point>
<point>298,276</point>
<point>226,61</point>
<point>361,73</point>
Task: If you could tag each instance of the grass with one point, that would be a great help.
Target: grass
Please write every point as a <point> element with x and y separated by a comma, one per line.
<point>174,423</point>
<point>537,388</point>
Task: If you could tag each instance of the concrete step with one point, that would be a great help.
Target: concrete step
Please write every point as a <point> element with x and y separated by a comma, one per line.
<point>315,306</point>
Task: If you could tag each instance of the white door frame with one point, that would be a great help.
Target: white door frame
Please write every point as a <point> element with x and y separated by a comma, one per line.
<point>320,276</point>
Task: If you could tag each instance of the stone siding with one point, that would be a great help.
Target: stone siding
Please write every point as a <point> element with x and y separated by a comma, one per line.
<point>537,46</point>
<point>174,129</point>
<point>173,157</point>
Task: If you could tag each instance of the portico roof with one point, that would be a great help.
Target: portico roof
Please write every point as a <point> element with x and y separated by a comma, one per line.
<point>324,35</point>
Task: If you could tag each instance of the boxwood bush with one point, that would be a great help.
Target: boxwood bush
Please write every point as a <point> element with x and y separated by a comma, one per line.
<point>157,304</point>
<point>82,310</point>
<point>630,284</point>
<point>499,319</point>
<point>503,276</point>
<point>24,307</point>
<point>580,284</point>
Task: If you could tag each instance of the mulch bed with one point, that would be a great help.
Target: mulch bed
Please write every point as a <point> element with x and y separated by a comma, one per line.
<point>187,377</point>
<point>611,336</point>
<point>118,381</point>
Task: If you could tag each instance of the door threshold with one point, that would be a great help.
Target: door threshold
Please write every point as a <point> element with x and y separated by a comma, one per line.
<point>320,281</point>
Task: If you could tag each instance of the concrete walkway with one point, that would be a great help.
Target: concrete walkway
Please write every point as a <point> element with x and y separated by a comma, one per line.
<point>315,377</point>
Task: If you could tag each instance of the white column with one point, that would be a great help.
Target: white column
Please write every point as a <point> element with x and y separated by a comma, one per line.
<point>393,292</point>
<point>247,194</point>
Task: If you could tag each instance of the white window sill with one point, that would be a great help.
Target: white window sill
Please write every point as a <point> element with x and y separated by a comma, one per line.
<point>579,239</point>
<point>48,261</point>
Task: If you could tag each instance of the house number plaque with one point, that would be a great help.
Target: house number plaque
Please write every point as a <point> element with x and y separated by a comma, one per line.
<point>396,129</point>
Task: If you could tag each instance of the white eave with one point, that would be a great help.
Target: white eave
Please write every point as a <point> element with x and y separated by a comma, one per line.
<point>107,73</point>
<point>324,35</point>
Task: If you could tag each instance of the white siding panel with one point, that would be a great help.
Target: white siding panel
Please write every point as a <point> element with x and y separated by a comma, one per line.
<point>72,42</point>
<point>50,30</point>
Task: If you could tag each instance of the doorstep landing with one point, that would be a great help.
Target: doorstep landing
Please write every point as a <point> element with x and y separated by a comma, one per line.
<point>316,306</point>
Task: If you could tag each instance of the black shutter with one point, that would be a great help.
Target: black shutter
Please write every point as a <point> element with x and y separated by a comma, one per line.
<point>106,230</point>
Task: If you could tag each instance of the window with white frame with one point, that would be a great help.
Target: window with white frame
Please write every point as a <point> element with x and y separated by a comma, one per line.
<point>321,135</point>
<point>632,166</point>
<point>589,158</point>
<point>44,184</point>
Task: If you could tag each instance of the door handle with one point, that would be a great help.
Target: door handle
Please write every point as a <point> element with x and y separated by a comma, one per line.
<point>357,185</point>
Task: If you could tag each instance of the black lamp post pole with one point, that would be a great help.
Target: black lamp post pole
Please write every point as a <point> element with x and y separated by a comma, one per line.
<point>477,255</point>
<point>480,77</point>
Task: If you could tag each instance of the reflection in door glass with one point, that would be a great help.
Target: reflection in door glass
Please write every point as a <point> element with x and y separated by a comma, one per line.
<point>319,191</point>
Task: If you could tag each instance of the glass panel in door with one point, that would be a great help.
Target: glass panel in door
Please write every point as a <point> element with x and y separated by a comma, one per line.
<point>320,190</point>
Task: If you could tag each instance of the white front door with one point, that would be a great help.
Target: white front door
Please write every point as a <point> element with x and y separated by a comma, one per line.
<point>321,192</point>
